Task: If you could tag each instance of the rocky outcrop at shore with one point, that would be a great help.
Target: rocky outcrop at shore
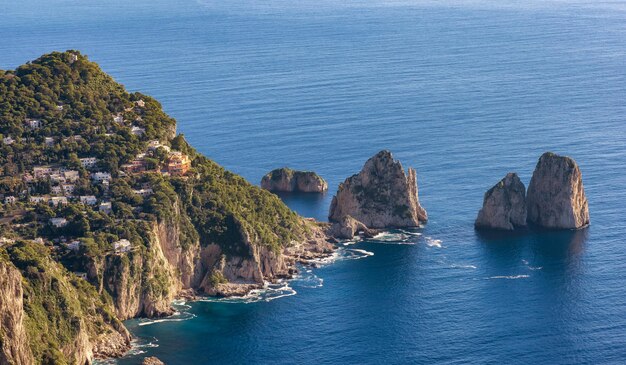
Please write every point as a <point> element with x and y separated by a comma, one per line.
<point>504,205</point>
<point>348,227</point>
<point>151,360</point>
<point>556,196</point>
<point>288,180</point>
<point>382,195</point>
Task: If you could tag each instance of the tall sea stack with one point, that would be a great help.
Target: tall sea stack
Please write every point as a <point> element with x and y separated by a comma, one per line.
<point>556,196</point>
<point>382,195</point>
<point>504,205</point>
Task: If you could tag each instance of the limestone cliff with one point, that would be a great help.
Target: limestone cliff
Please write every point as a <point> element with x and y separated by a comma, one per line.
<point>14,347</point>
<point>288,180</point>
<point>504,205</point>
<point>382,195</point>
<point>61,318</point>
<point>556,196</point>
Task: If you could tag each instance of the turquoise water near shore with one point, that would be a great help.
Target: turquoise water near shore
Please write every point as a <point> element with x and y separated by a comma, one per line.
<point>462,91</point>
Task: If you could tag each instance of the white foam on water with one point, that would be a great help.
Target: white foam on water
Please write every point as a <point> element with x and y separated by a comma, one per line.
<point>511,277</point>
<point>458,266</point>
<point>176,317</point>
<point>390,237</point>
<point>358,254</point>
<point>432,242</point>
<point>353,241</point>
<point>534,268</point>
<point>416,234</point>
<point>340,255</point>
<point>269,292</point>
<point>307,280</point>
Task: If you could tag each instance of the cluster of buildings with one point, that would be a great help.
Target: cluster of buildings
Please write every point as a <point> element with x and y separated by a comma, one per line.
<point>177,164</point>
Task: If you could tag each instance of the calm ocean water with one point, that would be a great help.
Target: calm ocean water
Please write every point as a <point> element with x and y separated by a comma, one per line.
<point>462,91</point>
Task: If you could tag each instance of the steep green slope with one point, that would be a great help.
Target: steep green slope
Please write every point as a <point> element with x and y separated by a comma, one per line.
<point>166,221</point>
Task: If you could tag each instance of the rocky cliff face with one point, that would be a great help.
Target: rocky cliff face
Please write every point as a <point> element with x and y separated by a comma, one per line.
<point>380,196</point>
<point>14,347</point>
<point>287,180</point>
<point>61,319</point>
<point>556,196</point>
<point>504,205</point>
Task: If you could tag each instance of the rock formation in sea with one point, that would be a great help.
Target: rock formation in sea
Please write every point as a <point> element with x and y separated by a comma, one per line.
<point>288,180</point>
<point>382,195</point>
<point>348,227</point>
<point>504,205</point>
<point>556,196</point>
<point>151,360</point>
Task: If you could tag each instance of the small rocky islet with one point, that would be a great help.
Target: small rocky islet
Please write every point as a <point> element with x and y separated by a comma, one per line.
<point>287,180</point>
<point>555,198</point>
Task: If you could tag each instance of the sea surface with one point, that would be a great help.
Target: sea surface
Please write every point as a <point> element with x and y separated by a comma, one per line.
<point>464,91</point>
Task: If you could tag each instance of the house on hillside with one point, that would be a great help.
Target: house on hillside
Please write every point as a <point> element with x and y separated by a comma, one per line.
<point>105,207</point>
<point>88,199</point>
<point>33,123</point>
<point>58,222</point>
<point>88,162</point>
<point>10,199</point>
<point>178,163</point>
<point>121,246</point>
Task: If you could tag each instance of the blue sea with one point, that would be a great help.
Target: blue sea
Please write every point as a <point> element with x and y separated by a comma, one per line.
<point>464,91</point>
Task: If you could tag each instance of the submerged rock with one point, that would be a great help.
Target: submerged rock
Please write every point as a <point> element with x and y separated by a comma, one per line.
<point>504,205</point>
<point>556,196</point>
<point>288,180</point>
<point>382,195</point>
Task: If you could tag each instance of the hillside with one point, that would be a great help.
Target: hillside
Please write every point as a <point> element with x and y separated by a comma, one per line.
<point>113,206</point>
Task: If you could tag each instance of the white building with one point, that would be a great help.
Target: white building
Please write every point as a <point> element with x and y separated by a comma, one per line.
<point>56,200</point>
<point>38,199</point>
<point>58,222</point>
<point>144,192</point>
<point>71,175</point>
<point>154,144</point>
<point>138,131</point>
<point>8,140</point>
<point>33,123</point>
<point>88,162</point>
<point>80,274</point>
<point>60,107</point>
<point>140,103</point>
<point>118,118</point>
<point>56,189</point>
<point>5,241</point>
<point>68,189</point>
<point>101,176</point>
<point>122,245</point>
<point>10,200</point>
<point>105,207</point>
<point>88,199</point>
<point>49,141</point>
<point>74,245</point>
<point>43,171</point>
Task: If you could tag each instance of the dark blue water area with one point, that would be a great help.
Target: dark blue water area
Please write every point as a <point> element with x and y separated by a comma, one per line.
<point>462,91</point>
